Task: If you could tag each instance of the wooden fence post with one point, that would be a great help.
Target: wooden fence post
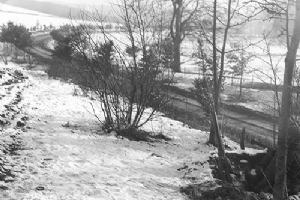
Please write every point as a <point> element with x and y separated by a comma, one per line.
<point>274,135</point>
<point>242,141</point>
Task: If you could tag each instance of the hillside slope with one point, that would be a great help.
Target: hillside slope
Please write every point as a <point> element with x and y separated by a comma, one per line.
<point>55,150</point>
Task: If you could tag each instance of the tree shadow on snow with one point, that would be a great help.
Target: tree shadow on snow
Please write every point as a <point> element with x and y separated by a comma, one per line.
<point>140,135</point>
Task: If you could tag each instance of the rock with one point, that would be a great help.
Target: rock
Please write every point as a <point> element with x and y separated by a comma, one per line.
<point>225,192</point>
<point>20,124</point>
<point>156,155</point>
<point>25,118</point>
<point>260,196</point>
<point>2,187</point>
<point>40,188</point>
<point>253,172</point>
<point>66,125</point>
<point>294,197</point>
<point>3,121</point>
<point>243,161</point>
<point>113,133</point>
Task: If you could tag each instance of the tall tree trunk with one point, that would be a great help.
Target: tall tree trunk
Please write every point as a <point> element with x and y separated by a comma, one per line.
<point>178,35</point>
<point>178,24</point>
<point>241,84</point>
<point>213,140</point>
<point>212,137</point>
<point>223,52</point>
<point>215,65</point>
<point>280,187</point>
<point>224,165</point>
<point>176,54</point>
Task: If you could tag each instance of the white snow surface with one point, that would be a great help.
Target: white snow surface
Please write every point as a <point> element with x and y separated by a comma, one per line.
<point>64,155</point>
<point>235,148</point>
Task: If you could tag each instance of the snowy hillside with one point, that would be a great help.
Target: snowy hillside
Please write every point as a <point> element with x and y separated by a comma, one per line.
<point>27,17</point>
<point>53,149</point>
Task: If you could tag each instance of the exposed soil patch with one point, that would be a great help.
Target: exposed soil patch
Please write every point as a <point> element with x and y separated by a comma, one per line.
<point>11,143</point>
<point>8,168</point>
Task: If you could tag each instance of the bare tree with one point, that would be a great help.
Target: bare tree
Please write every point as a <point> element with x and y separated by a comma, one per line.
<point>5,53</point>
<point>203,91</point>
<point>239,66</point>
<point>127,87</point>
<point>275,81</point>
<point>280,187</point>
<point>273,65</point>
<point>237,13</point>
<point>296,99</point>
<point>204,57</point>
<point>183,11</point>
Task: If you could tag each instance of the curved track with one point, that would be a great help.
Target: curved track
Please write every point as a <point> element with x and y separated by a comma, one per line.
<point>39,48</point>
<point>259,131</point>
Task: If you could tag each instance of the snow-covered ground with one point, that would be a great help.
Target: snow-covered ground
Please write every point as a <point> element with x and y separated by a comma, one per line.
<point>61,153</point>
<point>51,44</point>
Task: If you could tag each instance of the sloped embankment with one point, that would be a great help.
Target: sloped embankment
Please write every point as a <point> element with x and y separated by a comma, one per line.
<point>64,155</point>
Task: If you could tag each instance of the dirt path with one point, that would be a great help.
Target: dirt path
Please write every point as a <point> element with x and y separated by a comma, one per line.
<point>39,48</point>
<point>258,130</point>
<point>59,152</point>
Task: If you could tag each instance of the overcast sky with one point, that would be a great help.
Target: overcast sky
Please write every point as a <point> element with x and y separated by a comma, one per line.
<point>80,2</point>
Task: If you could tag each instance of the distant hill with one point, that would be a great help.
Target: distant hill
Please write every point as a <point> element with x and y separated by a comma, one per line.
<point>59,10</point>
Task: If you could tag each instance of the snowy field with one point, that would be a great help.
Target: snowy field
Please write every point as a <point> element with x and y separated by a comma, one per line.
<point>258,68</point>
<point>30,18</point>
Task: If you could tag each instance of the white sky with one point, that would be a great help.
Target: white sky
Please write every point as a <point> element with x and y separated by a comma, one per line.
<point>80,2</point>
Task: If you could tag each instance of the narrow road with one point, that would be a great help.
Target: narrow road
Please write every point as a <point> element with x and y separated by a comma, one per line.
<point>40,41</point>
<point>258,130</point>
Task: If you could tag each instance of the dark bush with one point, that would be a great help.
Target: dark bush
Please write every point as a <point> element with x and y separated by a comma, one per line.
<point>18,35</point>
<point>203,91</point>
<point>132,50</point>
<point>66,38</point>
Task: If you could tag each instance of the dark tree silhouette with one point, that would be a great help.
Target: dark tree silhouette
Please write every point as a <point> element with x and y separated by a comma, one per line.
<point>181,16</point>
<point>18,35</point>
<point>280,187</point>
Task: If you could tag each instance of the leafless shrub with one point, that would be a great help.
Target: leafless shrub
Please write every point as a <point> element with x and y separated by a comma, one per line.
<point>128,87</point>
